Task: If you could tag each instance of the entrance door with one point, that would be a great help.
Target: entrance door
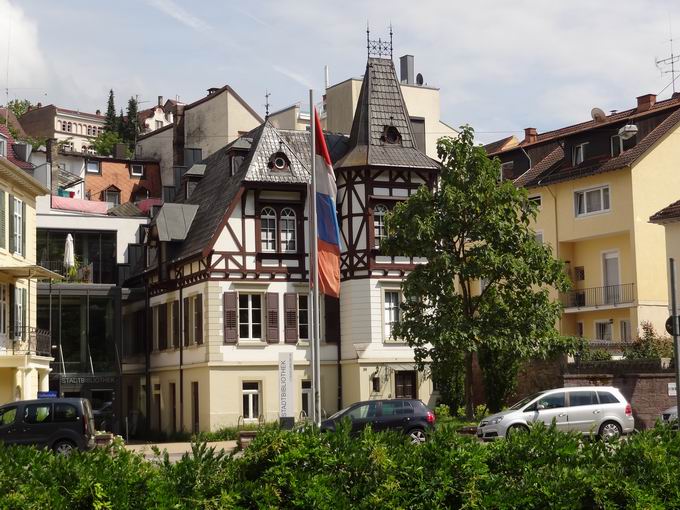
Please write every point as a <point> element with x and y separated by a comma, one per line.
<point>405,384</point>
<point>610,267</point>
<point>195,426</point>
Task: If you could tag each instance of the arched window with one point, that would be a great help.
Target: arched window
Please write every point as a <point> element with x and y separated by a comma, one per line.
<point>89,130</point>
<point>268,229</point>
<point>379,233</point>
<point>69,127</point>
<point>288,237</point>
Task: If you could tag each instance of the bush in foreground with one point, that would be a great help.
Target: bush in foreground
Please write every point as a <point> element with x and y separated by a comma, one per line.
<point>305,469</point>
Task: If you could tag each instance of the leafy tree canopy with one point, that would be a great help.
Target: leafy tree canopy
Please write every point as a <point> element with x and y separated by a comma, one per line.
<point>18,106</point>
<point>105,142</point>
<point>472,228</point>
<point>111,121</point>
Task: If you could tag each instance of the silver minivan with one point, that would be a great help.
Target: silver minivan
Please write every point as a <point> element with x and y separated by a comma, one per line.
<point>600,410</point>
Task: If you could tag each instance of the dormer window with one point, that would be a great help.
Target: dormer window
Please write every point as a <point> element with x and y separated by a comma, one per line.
<point>391,135</point>
<point>279,162</point>
<point>578,154</point>
<point>112,195</point>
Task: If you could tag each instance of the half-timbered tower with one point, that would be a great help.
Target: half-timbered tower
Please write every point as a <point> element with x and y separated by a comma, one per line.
<point>382,166</point>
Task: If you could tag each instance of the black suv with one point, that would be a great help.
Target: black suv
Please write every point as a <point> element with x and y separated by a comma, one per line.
<point>410,416</point>
<point>61,424</point>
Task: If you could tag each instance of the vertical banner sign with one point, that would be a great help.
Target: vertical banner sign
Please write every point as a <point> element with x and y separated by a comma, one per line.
<point>286,387</point>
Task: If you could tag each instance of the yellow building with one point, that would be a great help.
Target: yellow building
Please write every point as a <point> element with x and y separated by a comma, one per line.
<point>596,184</point>
<point>25,351</point>
<point>669,217</point>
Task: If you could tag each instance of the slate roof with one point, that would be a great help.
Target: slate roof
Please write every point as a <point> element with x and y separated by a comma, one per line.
<point>381,104</point>
<point>128,209</point>
<point>173,221</point>
<point>557,168</point>
<point>196,170</point>
<point>667,214</point>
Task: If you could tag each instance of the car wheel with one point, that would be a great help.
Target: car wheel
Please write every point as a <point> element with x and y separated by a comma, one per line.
<point>63,447</point>
<point>417,436</point>
<point>610,430</point>
<point>514,430</point>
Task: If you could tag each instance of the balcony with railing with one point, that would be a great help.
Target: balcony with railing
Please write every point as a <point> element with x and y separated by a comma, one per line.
<point>610,296</point>
<point>26,340</point>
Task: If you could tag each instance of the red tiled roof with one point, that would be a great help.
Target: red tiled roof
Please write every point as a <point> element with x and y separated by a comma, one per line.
<point>668,213</point>
<point>548,171</point>
<point>499,145</point>
<point>10,150</point>
<point>14,122</point>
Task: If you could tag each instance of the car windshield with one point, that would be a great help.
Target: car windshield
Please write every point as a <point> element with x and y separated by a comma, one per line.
<point>525,401</point>
<point>340,412</point>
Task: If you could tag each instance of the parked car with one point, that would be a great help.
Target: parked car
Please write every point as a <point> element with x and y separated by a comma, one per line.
<point>601,410</point>
<point>61,424</point>
<point>670,416</point>
<point>410,416</point>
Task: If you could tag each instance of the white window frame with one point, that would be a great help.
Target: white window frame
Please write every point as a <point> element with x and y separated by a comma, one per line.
<point>300,321</point>
<point>612,143</point>
<point>379,233</point>
<point>114,192</point>
<point>3,147</point>
<point>89,170</point>
<point>268,229</point>
<point>391,312</point>
<point>250,323</point>
<point>584,194</point>
<point>288,232</point>
<point>139,173</point>
<point>608,325</point>
<point>249,393</point>
<point>624,330</point>
<point>18,224</point>
<point>578,154</point>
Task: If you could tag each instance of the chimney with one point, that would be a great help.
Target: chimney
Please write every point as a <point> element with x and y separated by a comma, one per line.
<point>212,90</point>
<point>645,102</point>
<point>406,69</point>
<point>160,100</point>
<point>98,113</point>
<point>120,151</point>
<point>51,156</point>
<point>39,105</point>
<point>530,135</point>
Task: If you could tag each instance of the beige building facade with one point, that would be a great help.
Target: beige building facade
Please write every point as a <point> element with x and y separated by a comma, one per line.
<point>74,130</point>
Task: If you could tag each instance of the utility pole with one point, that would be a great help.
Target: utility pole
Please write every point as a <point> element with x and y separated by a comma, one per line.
<point>676,332</point>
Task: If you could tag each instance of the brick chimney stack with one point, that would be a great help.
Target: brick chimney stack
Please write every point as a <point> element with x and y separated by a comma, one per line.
<point>530,135</point>
<point>645,102</point>
<point>51,156</point>
<point>160,100</point>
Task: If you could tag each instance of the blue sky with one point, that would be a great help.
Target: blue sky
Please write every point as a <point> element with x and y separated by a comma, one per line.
<point>501,65</point>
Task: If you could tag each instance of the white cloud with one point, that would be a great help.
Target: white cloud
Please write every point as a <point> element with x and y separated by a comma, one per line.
<point>19,40</point>
<point>180,14</point>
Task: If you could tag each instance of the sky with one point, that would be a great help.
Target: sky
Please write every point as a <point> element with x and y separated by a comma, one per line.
<point>501,65</point>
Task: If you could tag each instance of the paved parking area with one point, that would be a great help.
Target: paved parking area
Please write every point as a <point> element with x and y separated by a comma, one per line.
<point>176,450</point>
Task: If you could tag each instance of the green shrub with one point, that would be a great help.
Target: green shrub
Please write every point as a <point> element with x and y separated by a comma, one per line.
<point>442,411</point>
<point>589,354</point>
<point>650,345</point>
<point>306,469</point>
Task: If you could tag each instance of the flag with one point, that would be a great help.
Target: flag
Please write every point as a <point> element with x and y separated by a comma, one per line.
<point>328,231</point>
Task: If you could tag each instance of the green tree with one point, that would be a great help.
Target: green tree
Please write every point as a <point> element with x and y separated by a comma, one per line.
<point>129,126</point>
<point>111,121</point>
<point>105,143</point>
<point>18,106</point>
<point>472,228</point>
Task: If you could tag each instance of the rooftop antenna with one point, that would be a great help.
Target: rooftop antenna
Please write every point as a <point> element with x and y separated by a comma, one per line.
<point>663,63</point>
<point>266,103</point>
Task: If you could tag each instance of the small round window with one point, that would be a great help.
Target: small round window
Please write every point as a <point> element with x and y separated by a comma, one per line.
<point>391,135</point>
<point>279,163</point>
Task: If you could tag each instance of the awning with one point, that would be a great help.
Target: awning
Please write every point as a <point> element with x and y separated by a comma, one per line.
<point>31,271</point>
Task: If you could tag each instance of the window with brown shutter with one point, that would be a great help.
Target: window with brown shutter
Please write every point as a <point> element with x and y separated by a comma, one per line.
<point>290,317</point>
<point>163,327</point>
<point>198,319</point>
<point>272,317</point>
<point>332,318</point>
<point>230,322</point>
<point>186,316</point>
<point>175,324</point>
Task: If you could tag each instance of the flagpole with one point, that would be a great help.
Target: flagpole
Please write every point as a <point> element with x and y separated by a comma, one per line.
<point>314,274</point>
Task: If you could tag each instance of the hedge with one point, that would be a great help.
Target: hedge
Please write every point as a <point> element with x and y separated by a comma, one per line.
<point>280,469</point>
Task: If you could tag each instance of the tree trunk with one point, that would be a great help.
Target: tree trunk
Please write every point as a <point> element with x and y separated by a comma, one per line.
<point>469,405</point>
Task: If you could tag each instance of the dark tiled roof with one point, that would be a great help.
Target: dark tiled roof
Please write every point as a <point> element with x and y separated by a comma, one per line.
<point>173,221</point>
<point>128,209</point>
<point>381,104</point>
<point>213,194</point>
<point>669,213</point>
<point>25,165</point>
<point>556,168</point>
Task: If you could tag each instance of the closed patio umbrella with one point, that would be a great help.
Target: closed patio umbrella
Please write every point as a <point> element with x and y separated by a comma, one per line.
<point>69,256</point>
